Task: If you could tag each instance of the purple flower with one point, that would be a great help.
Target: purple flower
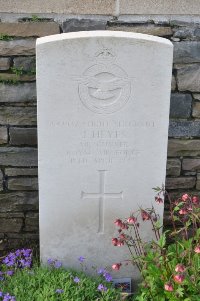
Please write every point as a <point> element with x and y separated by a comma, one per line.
<point>107,277</point>
<point>101,271</point>
<point>59,291</point>
<point>1,294</point>
<point>57,264</point>
<point>10,273</point>
<point>50,261</point>
<point>76,279</point>
<point>101,288</point>
<point>81,258</point>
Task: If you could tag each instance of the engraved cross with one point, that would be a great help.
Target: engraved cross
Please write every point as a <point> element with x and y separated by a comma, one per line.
<point>101,196</point>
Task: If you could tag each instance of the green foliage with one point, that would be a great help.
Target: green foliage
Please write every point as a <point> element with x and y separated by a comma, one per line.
<point>5,37</point>
<point>41,283</point>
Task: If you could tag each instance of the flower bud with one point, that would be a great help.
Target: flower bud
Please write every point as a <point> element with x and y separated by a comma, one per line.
<point>178,278</point>
<point>145,215</point>
<point>185,197</point>
<point>132,220</point>
<point>116,266</point>
<point>118,222</point>
<point>180,268</point>
<point>197,249</point>
<point>168,287</point>
<point>114,241</point>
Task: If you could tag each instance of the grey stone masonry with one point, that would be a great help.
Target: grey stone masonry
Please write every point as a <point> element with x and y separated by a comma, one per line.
<point>196,110</point>
<point>17,93</point>
<point>17,47</point>
<point>13,172</point>
<point>183,147</point>
<point>187,52</point>
<point>3,135</point>
<point>180,105</point>
<point>198,182</point>
<point>23,184</point>
<point>18,115</point>
<point>32,221</point>
<point>1,180</point>
<point>184,129</point>
<point>19,201</point>
<point>26,63</point>
<point>180,183</point>
<point>23,136</point>
<point>4,63</point>
<point>173,167</point>
<point>188,78</point>
<point>15,156</point>
<point>72,25</point>
<point>11,224</point>
<point>191,164</point>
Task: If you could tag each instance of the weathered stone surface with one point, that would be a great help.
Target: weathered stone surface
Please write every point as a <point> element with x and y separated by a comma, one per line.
<point>11,224</point>
<point>180,183</point>
<point>198,182</point>
<point>179,147</point>
<point>184,129</point>
<point>188,78</point>
<point>17,47</point>
<point>196,96</point>
<point>184,32</point>
<point>196,110</point>
<point>26,63</point>
<point>187,52</point>
<point>29,29</point>
<point>173,167</point>
<point>32,222</point>
<point>23,184</point>
<point>154,30</point>
<point>191,164</point>
<point>4,63</point>
<point>23,136</point>
<point>14,156</point>
<point>12,214</point>
<point>73,25</point>
<point>18,115</point>
<point>13,172</point>
<point>3,135</point>
<point>1,180</point>
<point>180,105</point>
<point>17,93</point>
<point>14,78</point>
<point>18,201</point>
<point>173,84</point>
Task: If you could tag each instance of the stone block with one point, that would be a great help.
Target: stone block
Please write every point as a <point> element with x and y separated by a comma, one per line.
<point>188,78</point>
<point>18,93</point>
<point>196,96</point>
<point>13,172</point>
<point>184,128</point>
<point>29,29</point>
<point>150,29</point>
<point>173,167</point>
<point>191,164</point>
<point>23,184</point>
<point>15,156</point>
<point>11,225</point>
<point>196,110</point>
<point>180,147</point>
<point>23,136</point>
<point>19,201</point>
<point>180,105</point>
<point>16,79</point>
<point>3,135</point>
<point>1,180</point>
<point>4,63</point>
<point>73,25</point>
<point>31,222</point>
<point>26,63</point>
<point>180,183</point>
<point>198,182</point>
<point>187,52</point>
<point>17,47</point>
<point>18,115</point>
<point>173,84</point>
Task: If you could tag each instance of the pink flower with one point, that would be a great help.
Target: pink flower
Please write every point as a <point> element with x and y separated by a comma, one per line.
<point>118,222</point>
<point>114,241</point>
<point>145,215</point>
<point>180,268</point>
<point>185,197</point>
<point>132,220</point>
<point>116,266</point>
<point>124,226</point>
<point>195,200</point>
<point>183,211</point>
<point>158,200</point>
<point>120,243</point>
<point>178,278</point>
<point>123,236</point>
<point>169,287</point>
<point>197,249</point>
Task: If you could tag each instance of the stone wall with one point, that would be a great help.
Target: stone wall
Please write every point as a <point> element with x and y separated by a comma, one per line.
<point>18,126</point>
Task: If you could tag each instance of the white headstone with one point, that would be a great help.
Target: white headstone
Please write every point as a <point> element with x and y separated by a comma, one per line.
<point>103,110</point>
